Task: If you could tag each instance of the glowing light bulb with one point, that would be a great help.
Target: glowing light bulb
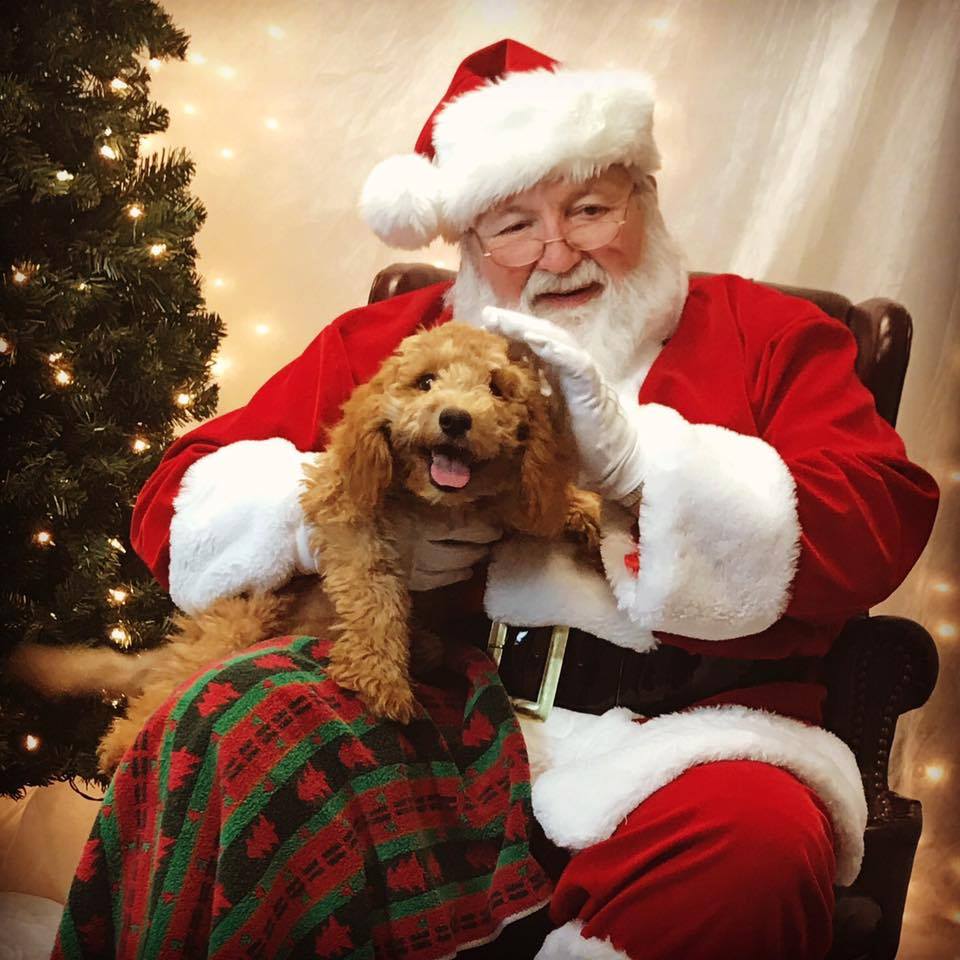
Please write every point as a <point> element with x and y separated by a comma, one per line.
<point>146,145</point>
<point>31,742</point>
<point>271,123</point>
<point>140,445</point>
<point>107,131</point>
<point>158,249</point>
<point>934,772</point>
<point>64,176</point>
<point>262,329</point>
<point>219,281</point>
<point>942,586</point>
<point>120,636</point>
<point>5,346</point>
<point>276,32</point>
<point>228,73</point>
<point>184,399</point>
<point>946,630</point>
<point>198,58</point>
<point>227,153</point>
<point>117,545</point>
<point>220,366</point>
<point>118,85</point>
<point>19,276</point>
<point>107,151</point>
<point>135,211</point>
<point>81,286</point>
<point>43,538</point>
<point>117,595</point>
<point>63,377</point>
<point>189,108</point>
<point>155,63</point>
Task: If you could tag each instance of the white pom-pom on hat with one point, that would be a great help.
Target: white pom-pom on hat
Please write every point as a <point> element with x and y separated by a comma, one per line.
<point>401,201</point>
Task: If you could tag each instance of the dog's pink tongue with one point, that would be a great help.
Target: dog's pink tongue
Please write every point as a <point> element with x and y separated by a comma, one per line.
<point>448,472</point>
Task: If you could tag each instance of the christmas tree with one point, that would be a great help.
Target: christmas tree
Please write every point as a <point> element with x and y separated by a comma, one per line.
<point>105,347</point>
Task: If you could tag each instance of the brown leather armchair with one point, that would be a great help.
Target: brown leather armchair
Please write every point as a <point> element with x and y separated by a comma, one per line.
<point>878,669</point>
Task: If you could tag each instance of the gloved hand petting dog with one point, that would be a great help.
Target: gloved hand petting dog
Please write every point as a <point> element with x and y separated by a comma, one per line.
<point>454,431</point>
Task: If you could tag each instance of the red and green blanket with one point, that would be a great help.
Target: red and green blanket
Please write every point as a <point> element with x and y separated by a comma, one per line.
<point>263,812</point>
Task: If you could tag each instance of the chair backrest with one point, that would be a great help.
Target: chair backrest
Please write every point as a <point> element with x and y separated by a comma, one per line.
<point>883,328</point>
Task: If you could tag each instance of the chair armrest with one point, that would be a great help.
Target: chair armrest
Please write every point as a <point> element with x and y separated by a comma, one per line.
<point>878,669</point>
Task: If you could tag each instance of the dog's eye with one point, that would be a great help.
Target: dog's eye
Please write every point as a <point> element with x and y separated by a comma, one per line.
<point>424,382</point>
<point>495,389</point>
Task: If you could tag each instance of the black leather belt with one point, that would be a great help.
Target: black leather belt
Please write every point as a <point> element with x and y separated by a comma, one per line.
<point>596,675</point>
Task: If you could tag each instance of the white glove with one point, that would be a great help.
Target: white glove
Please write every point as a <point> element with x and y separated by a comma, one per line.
<point>607,441</point>
<point>437,547</point>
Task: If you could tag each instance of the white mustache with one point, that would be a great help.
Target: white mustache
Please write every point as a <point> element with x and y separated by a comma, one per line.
<point>540,282</point>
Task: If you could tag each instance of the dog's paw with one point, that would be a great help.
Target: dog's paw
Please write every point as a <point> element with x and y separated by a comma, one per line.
<point>393,702</point>
<point>583,525</point>
<point>386,696</point>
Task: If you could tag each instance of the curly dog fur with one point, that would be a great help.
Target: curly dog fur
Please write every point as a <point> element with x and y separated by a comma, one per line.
<point>456,419</point>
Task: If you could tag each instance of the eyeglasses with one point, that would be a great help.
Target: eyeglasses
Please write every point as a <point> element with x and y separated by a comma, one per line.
<point>521,251</point>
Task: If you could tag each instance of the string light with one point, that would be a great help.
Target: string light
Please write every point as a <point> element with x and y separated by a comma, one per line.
<point>31,743</point>
<point>218,281</point>
<point>63,377</point>
<point>5,346</point>
<point>934,772</point>
<point>64,176</point>
<point>227,153</point>
<point>184,399</point>
<point>158,249</point>
<point>107,131</point>
<point>118,86</point>
<point>941,586</point>
<point>44,538</point>
<point>117,595</point>
<point>946,631</point>
<point>120,636</point>
<point>154,63</point>
<point>19,275</point>
<point>140,445</point>
<point>198,58</point>
<point>271,123</point>
<point>82,286</point>
<point>107,151</point>
<point>135,211</point>
<point>116,544</point>
<point>220,366</point>
<point>276,32</point>
<point>189,108</point>
<point>262,329</point>
<point>54,357</point>
<point>228,73</point>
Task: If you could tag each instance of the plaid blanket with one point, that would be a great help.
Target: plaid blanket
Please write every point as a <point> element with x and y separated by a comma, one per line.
<point>263,812</point>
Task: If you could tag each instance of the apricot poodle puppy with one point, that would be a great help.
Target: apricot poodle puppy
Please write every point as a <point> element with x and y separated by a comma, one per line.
<point>455,419</point>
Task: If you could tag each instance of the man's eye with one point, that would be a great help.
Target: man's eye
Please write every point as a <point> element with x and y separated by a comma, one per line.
<point>423,382</point>
<point>513,228</point>
<point>591,211</point>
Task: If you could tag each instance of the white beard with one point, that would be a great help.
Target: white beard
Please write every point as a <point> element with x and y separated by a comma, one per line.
<point>623,327</point>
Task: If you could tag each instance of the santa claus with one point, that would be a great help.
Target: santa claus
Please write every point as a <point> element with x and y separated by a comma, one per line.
<point>754,501</point>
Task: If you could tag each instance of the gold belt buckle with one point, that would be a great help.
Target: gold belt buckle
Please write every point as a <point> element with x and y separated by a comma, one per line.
<point>540,708</point>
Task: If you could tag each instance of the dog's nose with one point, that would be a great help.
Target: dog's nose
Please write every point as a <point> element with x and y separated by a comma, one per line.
<point>455,423</point>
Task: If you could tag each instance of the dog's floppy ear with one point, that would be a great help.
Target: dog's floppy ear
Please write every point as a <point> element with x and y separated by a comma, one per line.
<point>546,468</point>
<point>360,442</point>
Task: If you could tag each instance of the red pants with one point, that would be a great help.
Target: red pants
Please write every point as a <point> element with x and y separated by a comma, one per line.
<point>731,859</point>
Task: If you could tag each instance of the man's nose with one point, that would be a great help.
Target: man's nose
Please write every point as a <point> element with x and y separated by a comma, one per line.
<point>558,256</point>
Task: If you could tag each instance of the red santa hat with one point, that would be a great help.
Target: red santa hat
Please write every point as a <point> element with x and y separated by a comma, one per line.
<point>510,118</point>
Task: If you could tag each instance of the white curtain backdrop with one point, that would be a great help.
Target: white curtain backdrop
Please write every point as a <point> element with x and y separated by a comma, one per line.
<point>809,142</point>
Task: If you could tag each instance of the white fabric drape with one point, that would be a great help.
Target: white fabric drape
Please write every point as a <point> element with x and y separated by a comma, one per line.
<point>810,142</point>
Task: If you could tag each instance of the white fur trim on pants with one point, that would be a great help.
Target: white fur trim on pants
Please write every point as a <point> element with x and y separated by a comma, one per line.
<point>719,532</point>
<point>568,943</point>
<point>632,760</point>
<point>535,584</point>
<point>235,522</point>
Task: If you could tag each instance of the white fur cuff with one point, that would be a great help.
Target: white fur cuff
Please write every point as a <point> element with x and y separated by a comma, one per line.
<point>568,943</point>
<point>633,760</point>
<point>531,583</point>
<point>235,522</point>
<point>719,533</point>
